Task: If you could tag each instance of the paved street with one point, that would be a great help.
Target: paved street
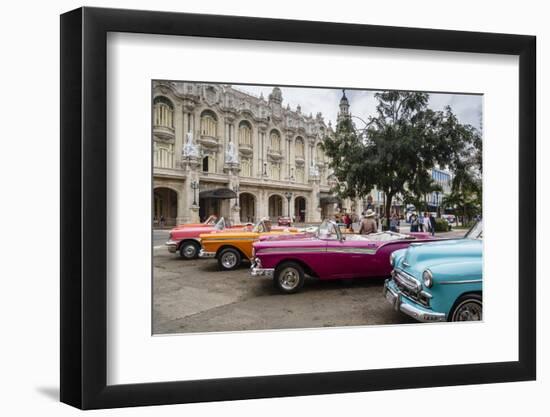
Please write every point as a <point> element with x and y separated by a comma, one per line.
<point>194,296</point>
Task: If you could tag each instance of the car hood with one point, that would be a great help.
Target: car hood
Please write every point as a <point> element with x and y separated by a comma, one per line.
<point>419,257</point>
<point>178,233</point>
<point>229,235</point>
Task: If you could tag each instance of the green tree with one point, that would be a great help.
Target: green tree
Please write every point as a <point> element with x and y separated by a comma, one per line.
<point>398,148</point>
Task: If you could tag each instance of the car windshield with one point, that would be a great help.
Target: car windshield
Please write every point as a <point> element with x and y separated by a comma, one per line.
<point>220,225</point>
<point>263,226</point>
<point>475,232</point>
<point>328,230</point>
<point>211,220</point>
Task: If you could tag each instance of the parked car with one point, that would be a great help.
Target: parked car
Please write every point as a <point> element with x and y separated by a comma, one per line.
<point>451,218</point>
<point>284,221</point>
<point>439,281</point>
<point>186,241</point>
<point>328,254</point>
<point>210,221</point>
<point>231,247</point>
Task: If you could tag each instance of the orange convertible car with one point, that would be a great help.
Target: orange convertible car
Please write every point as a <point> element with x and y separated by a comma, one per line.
<point>231,247</point>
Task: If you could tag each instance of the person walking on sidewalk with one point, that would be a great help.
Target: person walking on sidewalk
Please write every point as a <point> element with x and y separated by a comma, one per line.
<point>432,224</point>
<point>368,225</point>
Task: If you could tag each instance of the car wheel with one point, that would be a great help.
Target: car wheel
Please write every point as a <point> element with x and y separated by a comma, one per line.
<point>229,259</point>
<point>468,307</point>
<point>289,277</point>
<point>189,250</point>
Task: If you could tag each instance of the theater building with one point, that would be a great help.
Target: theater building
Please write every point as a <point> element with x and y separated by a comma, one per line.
<point>219,150</point>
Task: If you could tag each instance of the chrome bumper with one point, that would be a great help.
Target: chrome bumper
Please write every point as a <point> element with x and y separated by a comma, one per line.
<point>172,246</point>
<point>395,298</point>
<point>256,269</point>
<point>204,254</point>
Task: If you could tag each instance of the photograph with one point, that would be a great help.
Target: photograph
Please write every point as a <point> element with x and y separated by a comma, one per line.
<point>298,207</point>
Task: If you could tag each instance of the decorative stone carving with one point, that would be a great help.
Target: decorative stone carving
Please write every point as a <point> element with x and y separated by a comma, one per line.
<point>313,170</point>
<point>190,149</point>
<point>231,154</point>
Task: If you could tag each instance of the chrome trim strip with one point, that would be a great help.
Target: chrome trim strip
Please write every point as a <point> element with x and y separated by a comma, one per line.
<point>364,251</point>
<point>228,239</point>
<point>407,280</point>
<point>205,254</point>
<point>261,272</point>
<point>287,249</point>
<point>421,315</point>
<point>466,281</point>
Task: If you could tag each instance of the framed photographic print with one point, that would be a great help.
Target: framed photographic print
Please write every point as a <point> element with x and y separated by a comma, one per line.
<point>257,208</point>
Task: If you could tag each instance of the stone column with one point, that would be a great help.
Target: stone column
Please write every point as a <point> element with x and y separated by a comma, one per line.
<point>313,214</point>
<point>179,133</point>
<point>262,204</point>
<point>191,166</point>
<point>232,170</point>
<point>292,206</point>
<point>183,212</point>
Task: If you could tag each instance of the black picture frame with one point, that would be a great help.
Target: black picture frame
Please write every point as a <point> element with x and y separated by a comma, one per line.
<point>84,207</point>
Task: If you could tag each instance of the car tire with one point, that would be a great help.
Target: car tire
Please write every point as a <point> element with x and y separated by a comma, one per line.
<point>189,250</point>
<point>229,259</point>
<point>468,307</point>
<point>289,277</point>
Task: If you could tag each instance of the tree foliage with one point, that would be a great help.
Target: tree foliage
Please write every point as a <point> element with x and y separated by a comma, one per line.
<point>400,145</point>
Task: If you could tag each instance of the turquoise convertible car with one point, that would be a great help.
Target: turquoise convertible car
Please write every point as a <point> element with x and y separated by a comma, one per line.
<point>439,281</point>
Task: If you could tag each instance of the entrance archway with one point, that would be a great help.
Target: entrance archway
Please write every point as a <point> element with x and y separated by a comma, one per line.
<point>165,209</point>
<point>300,209</point>
<point>275,204</point>
<point>209,207</point>
<point>248,208</point>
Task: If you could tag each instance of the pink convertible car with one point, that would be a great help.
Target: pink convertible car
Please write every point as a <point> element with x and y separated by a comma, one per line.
<point>328,254</point>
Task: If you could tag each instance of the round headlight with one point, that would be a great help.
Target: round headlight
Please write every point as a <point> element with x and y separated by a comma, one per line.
<point>427,278</point>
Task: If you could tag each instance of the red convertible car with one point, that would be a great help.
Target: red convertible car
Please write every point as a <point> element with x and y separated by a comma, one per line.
<point>328,254</point>
<point>210,221</point>
<point>186,241</point>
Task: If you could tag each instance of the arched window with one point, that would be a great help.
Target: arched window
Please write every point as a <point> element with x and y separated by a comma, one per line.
<point>209,163</point>
<point>300,175</point>
<point>299,147</point>
<point>275,139</point>
<point>246,167</point>
<point>163,113</point>
<point>209,124</point>
<point>275,171</point>
<point>245,133</point>
<point>163,155</point>
<point>320,154</point>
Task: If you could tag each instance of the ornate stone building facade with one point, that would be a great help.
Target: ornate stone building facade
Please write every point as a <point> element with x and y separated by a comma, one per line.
<point>219,150</point>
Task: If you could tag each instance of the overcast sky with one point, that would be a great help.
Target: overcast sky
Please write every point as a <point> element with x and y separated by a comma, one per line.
<point>468,108</point>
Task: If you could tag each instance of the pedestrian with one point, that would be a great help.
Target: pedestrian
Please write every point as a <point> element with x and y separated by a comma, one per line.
<point>347,221</point>
<point>414,222</point>
<point>426,222</point>
<point>394,223</point>
<point>368,224</point>
<point>420,223</point>
<point>432,224</point>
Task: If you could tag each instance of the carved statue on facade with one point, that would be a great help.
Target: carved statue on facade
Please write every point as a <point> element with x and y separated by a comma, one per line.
<point>231,154</point>
<point>189,148</point>
<point>313,169</point>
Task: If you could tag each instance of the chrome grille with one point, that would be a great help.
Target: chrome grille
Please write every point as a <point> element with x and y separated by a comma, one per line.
<point>410,286</point>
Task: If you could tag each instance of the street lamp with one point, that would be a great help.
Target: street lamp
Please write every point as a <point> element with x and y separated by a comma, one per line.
<point>288,196</point>
<point>195,187</point>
